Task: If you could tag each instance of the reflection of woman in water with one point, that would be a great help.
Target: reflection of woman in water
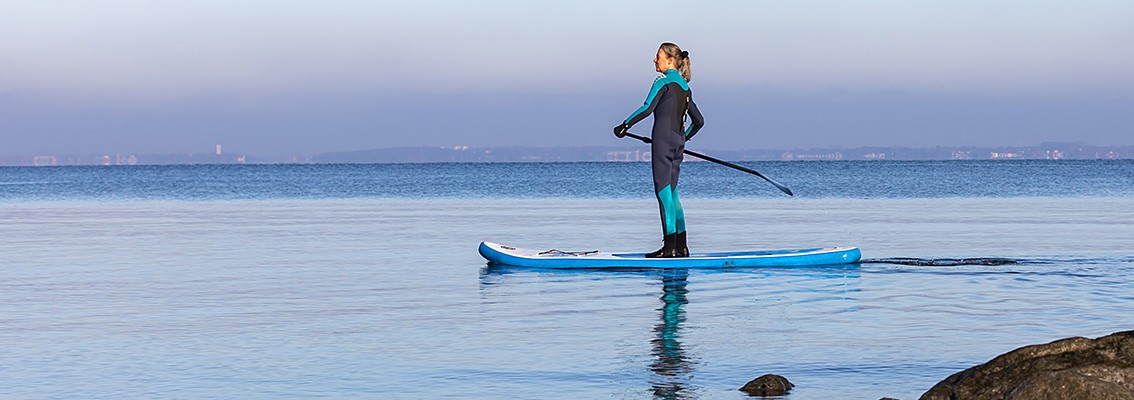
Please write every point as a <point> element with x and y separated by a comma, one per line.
<point>672,367</point>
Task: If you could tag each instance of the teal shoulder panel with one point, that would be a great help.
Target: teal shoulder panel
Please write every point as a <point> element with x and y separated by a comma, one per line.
<point>671,76</point>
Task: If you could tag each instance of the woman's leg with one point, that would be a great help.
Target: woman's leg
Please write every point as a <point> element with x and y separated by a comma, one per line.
<point>681,247</point>
<point>663,164</point>
<point>663,170</point>
<point>678,212</point>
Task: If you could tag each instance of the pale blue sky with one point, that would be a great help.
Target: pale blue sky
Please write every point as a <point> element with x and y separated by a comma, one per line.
<point>279,77</point>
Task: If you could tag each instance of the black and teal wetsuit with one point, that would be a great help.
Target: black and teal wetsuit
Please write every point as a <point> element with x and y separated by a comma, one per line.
<point>669,101</point>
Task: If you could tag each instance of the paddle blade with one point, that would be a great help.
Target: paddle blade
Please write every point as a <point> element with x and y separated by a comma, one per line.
<point>779,186</point>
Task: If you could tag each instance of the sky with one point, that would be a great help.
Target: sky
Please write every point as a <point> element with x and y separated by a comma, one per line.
<point>301,77</point>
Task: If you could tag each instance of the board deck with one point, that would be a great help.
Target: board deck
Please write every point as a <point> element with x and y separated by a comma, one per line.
<point>507,255</point>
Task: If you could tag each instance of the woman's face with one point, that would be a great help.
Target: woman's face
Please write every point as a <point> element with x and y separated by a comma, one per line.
<point>662,62</point>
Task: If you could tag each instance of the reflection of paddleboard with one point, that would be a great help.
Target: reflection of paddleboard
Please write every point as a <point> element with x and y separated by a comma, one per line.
<point>500,254</point>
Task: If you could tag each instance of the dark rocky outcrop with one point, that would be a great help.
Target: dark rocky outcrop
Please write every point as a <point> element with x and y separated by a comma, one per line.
<point>1074,368</point>
<point>767,385</point>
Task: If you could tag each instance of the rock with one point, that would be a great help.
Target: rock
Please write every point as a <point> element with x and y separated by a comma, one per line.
<point>1074,368</point>
<point>767,385</point>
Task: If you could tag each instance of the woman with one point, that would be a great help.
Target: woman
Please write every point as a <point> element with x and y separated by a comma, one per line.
<point>669,101</point>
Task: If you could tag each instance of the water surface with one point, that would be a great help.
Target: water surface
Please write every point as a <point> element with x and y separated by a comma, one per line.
<point>186,289</point>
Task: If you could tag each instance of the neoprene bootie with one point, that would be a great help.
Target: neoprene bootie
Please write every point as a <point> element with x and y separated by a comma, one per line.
<point>668,249</point>
<point>681,247</point>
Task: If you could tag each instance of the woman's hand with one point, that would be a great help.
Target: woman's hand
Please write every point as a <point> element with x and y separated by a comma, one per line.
<point>621,130</point>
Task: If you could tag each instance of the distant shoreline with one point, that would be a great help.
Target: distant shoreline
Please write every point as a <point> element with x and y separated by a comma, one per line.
<point>424,154</point>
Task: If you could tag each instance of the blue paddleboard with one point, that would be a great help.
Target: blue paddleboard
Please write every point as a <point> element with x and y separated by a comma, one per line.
<point>507,255</point>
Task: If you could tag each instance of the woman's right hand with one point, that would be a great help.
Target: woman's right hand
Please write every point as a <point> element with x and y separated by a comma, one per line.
<point>621,130</point>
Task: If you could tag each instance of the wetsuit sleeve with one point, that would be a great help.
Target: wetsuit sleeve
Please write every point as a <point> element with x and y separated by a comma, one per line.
<point>696,118</point>
<point>651,103</point>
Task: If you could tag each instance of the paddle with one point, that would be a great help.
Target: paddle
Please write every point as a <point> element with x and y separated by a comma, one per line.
<point>724,163</point>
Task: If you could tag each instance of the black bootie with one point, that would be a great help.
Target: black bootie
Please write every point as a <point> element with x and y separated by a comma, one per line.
<point>680,246</point>
<point>668,249</point>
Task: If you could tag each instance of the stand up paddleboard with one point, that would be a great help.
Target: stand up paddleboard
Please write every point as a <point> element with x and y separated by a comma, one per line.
<point>501,254</point>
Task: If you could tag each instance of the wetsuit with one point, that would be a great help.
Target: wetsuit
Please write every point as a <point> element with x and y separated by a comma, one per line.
<point>669,101</point>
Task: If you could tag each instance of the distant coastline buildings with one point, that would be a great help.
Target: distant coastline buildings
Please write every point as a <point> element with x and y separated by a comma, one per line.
<point>465,153</point>
<point>48,160</point>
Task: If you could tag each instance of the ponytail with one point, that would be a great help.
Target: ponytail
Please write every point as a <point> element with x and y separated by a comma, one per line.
<point>685,72</point>
<point>680,59</point>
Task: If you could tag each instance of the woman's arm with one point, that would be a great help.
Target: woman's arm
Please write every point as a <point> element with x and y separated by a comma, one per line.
<point>697,119</point>
<point>651,103</point>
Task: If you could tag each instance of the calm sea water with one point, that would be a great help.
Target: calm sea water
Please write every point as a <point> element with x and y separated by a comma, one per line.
<point>364,281</point>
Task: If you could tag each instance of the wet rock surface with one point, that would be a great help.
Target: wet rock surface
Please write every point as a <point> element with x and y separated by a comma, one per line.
<point>767,385</point>
<point>1074,368</point>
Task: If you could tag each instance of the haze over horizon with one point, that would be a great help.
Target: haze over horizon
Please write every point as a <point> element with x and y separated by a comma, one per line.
<point>289,77</point>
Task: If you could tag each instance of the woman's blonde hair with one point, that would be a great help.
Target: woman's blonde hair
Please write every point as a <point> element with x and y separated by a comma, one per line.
<point>680,59</point>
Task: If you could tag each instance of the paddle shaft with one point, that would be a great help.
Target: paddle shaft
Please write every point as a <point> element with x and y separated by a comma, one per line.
<point>724,163</point>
